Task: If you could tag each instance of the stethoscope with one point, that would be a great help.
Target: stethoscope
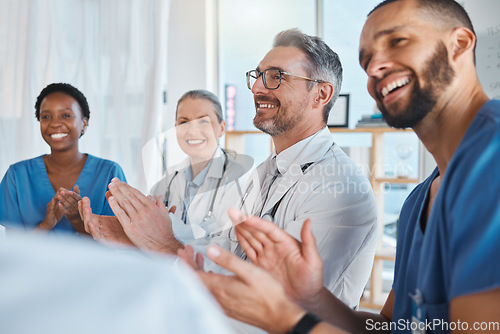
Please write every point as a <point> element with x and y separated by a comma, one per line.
<point>210,214</point>
<point>270,214</point>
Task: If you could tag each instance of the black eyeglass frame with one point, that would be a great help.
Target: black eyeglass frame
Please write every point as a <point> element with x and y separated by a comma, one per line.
<point>258,74</point>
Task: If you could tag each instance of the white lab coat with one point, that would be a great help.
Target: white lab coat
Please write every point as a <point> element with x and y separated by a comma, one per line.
<point>331,191</point>
<point>228,195</point>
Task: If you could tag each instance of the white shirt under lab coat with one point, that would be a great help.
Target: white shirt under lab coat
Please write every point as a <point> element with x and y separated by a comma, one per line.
<point>200,232</point>
<point>320,182</point>
<point>72,285</point>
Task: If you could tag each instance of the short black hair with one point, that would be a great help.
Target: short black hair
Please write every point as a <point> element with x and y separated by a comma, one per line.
<point>445,9</point>
<point>448,12</point>
<point>382,4</point>
<point>66,89</point>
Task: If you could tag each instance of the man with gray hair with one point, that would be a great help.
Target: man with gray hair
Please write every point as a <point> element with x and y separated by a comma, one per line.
<point>308,175</point>
<point>422,74</point>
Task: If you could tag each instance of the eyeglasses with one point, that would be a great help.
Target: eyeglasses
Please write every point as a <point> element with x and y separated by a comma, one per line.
<point>272,78</point>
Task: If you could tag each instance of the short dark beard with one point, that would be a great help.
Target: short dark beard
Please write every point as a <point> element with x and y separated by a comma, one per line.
<point>438,74</point>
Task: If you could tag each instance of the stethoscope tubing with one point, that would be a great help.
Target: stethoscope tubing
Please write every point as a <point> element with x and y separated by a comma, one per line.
<point>211,209</point>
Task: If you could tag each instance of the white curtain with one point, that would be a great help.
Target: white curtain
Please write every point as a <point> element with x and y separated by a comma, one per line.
<point>114,51</point>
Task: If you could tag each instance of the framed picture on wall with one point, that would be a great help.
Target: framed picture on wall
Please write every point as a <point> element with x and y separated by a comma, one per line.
<point>339,115</point>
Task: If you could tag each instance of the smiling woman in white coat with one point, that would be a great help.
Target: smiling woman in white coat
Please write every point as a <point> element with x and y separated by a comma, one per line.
<point>209,181</point>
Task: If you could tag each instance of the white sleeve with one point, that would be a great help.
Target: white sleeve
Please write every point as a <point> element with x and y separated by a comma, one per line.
<point>345,228</point>
<point>116,291</point>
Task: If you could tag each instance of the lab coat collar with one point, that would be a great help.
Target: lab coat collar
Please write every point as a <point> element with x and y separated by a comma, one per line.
<point>198,180</point>
<point>216,165</point>
<point>294,161</point>
<point>300,156</point>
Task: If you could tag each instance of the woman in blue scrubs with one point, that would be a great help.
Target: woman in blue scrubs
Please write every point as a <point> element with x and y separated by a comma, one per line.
<point>43,192</point>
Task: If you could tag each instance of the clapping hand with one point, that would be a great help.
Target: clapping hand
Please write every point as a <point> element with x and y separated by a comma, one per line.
<point>146,222</point>
<point>68,204</point>
<point>105,229</point>
<point>53,214</point>
<point>298,266</point>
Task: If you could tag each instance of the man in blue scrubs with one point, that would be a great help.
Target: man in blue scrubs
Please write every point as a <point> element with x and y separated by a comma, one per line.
<point>420,59</point>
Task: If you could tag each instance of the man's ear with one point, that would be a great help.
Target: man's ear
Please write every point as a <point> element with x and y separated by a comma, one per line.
<point>463,41</point>
<point>324,94</point>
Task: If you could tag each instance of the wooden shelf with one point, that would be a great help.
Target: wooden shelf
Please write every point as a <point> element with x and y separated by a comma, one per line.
<point>398,180</point>
<point>366,302</point>
<point>381,129</point>
<point>239,133</point>
<point>234,140</point>
<point>386,254</point>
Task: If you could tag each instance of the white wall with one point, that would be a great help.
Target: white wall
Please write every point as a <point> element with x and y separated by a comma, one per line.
<point>192,50</point>
<point>191,64</point>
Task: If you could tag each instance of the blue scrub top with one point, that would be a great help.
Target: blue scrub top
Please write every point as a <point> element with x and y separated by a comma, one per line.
<point>457,253</point>
<point>26,190</point>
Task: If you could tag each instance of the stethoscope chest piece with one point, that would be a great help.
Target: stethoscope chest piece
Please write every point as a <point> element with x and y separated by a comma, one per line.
<point>209,224</point>
<point>209,217</point>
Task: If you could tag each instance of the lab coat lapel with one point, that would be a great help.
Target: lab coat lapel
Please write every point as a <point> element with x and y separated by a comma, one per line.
<point>283,184</point>
<point>201,202</point>
<point>178,186</point>
<point>312,152</point>
<point>178,189</point>
<point>251,195</point>
<point>199,207</point>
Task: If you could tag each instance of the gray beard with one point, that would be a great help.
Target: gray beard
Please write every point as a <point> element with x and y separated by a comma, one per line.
<point>270,127</point>
<point>278,124</point>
